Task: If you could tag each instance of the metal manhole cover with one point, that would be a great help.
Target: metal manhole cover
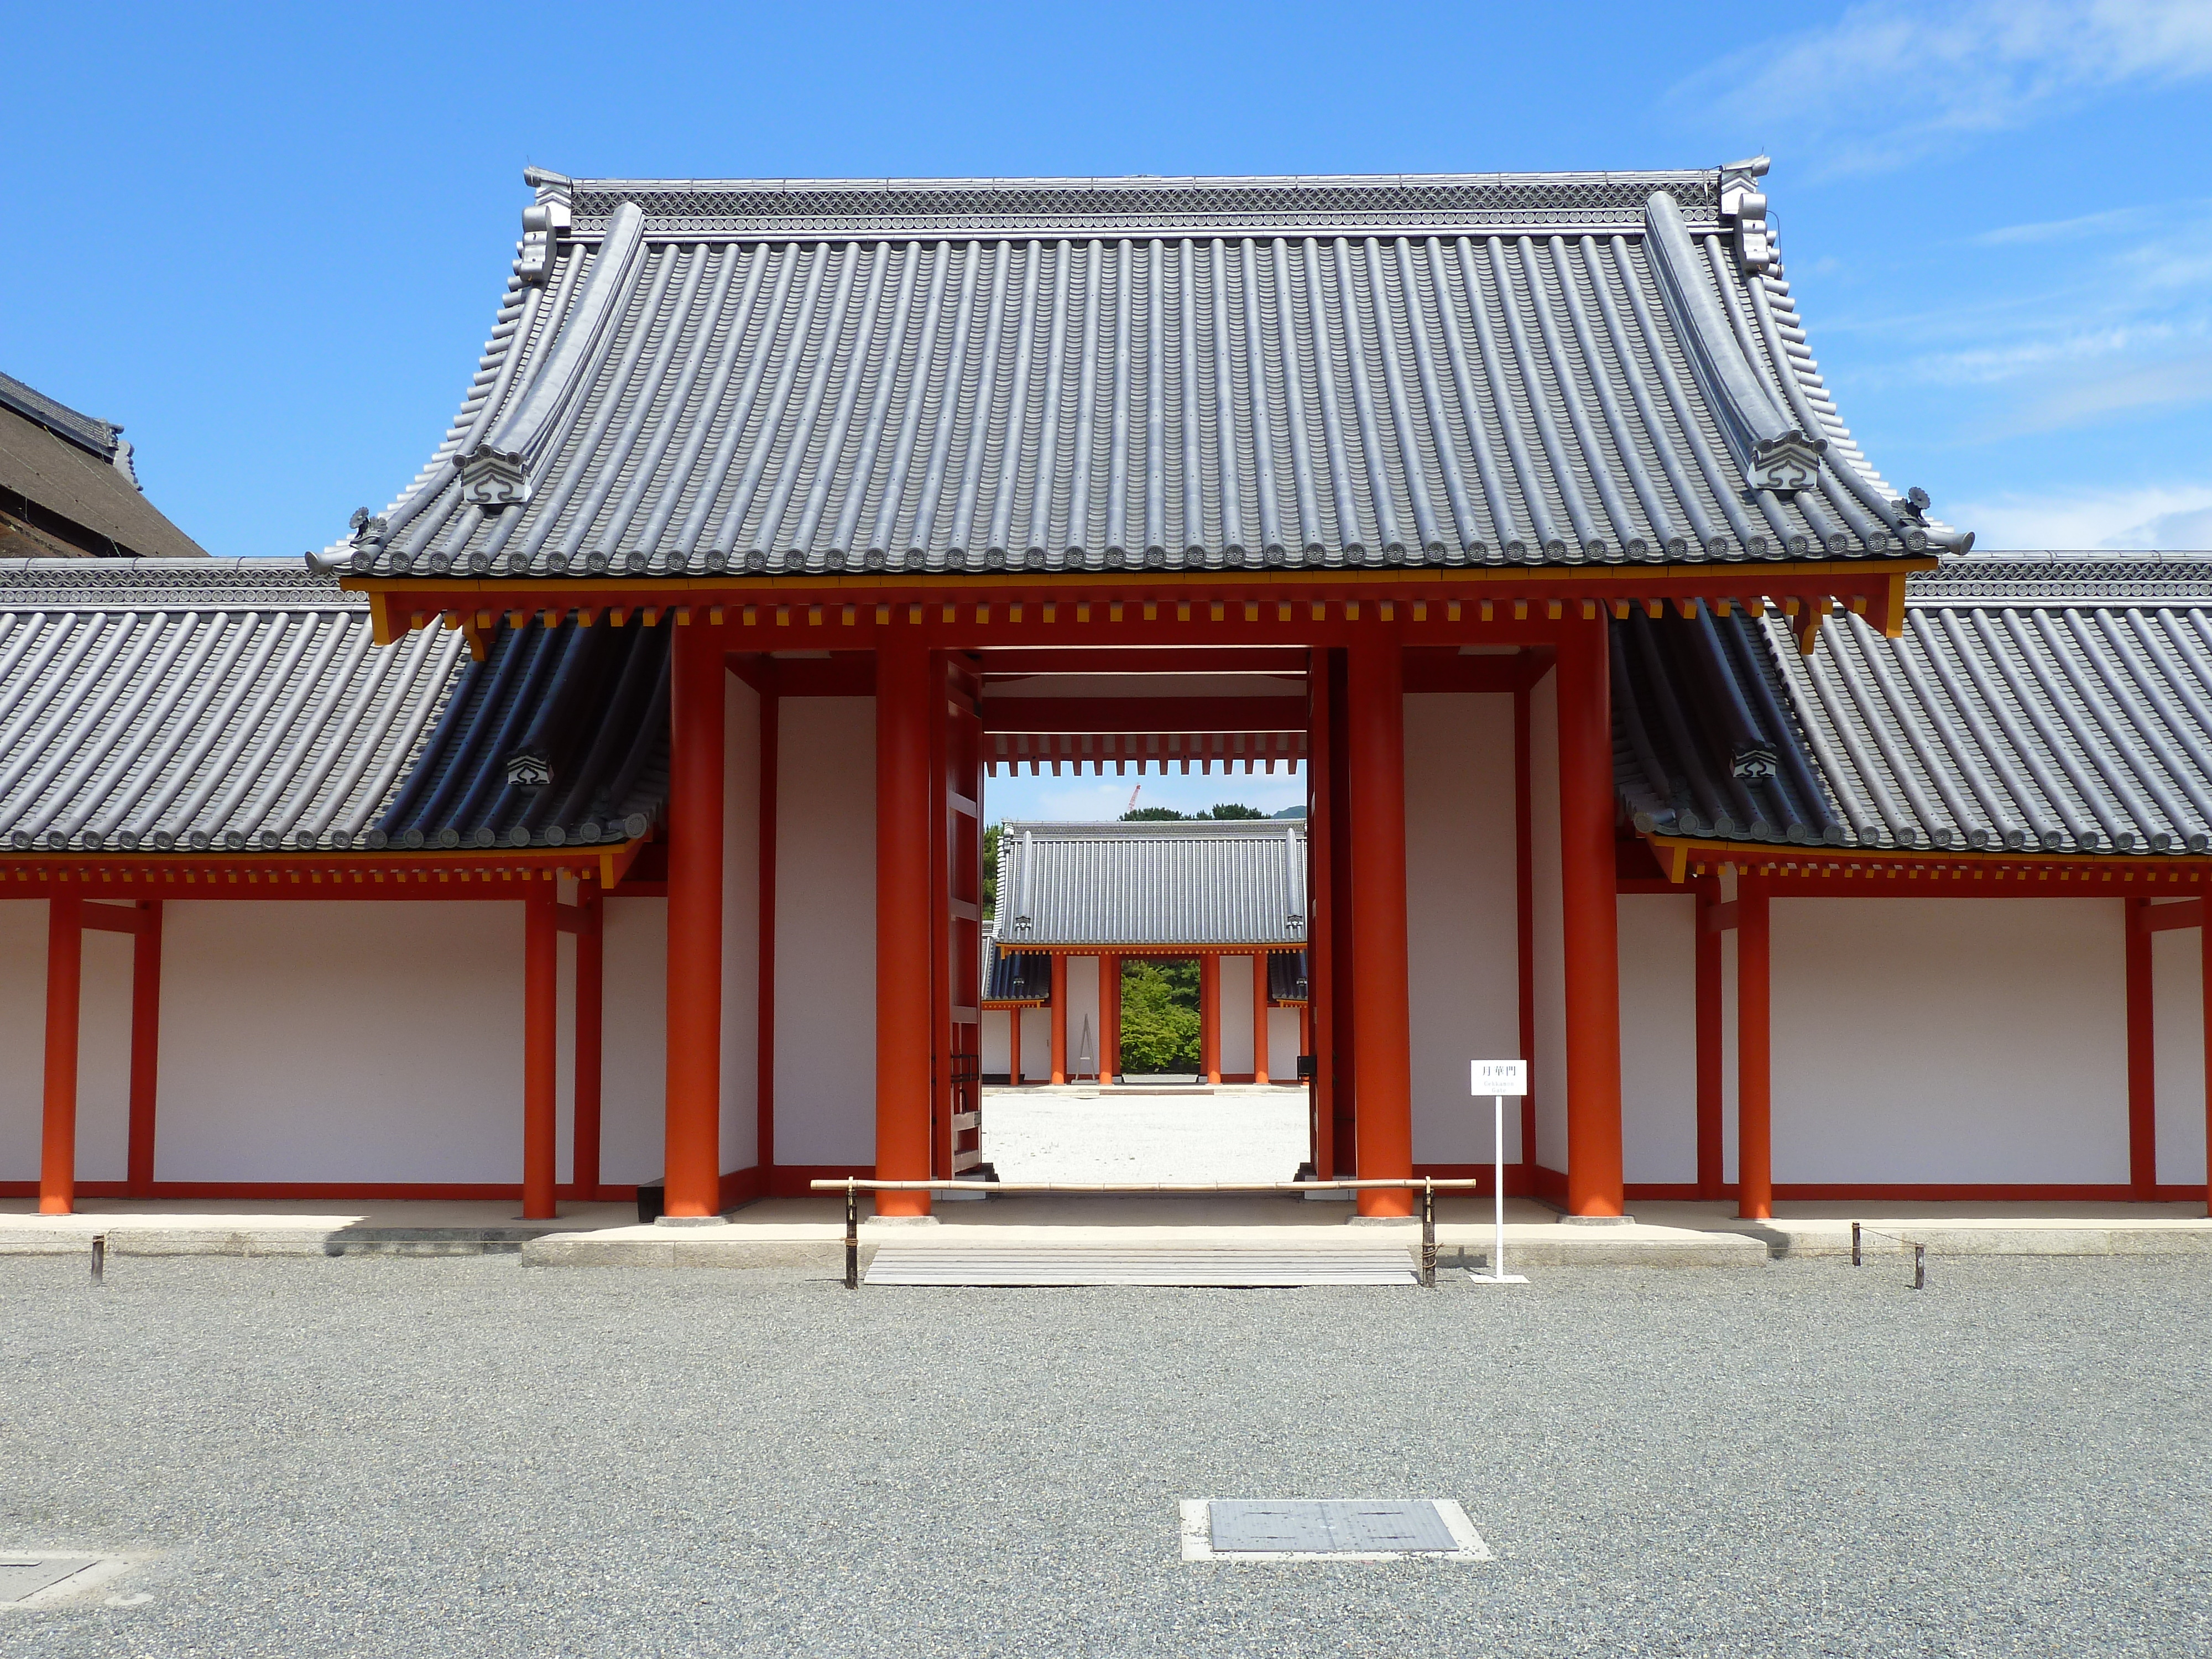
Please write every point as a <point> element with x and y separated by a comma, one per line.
<point>22,1577</point>
<point>1329,1528</point>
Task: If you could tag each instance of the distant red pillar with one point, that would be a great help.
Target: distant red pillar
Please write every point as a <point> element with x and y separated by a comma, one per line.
<point>1374,742</point>
<point>1589,913</point>
<point>1059,1018</point>
<point>694,1103</point>
<point>1209,1016</point>
<point>541,1010</point>
<point>2204,947</point>
<point>2142,1055</point>
<point>1711,1063</point>
<point>1754,1064</point>
<point>906,704</point>
<point>1109,1018</point>
<point>591,1010</point>
<point>145,1047</point>
<point>64,984</point>
<point>1259,1017</point>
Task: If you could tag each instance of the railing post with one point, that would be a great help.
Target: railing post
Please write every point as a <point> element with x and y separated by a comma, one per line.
<point>852,1237</point>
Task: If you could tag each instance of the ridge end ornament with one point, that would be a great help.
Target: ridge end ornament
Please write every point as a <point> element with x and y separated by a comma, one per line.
<point>529,770</point>
<point>493,478</point>
<point>1787,464</point>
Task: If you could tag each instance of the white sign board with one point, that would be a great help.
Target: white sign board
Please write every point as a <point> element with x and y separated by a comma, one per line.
<point>1500,1077</point>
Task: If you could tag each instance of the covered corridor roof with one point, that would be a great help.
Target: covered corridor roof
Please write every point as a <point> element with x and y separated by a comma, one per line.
<point>1236,882</point>
<point>2059,703</point>
<point>778,377</point>
<point>239,704</point>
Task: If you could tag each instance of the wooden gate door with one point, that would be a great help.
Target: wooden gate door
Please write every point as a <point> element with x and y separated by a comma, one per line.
<point>957,1097</point>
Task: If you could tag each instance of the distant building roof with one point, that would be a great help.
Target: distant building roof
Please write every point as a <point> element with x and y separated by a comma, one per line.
<point>779,377</point>
<point>2051,702</point>
<point>67,489</point>
<point>1238,882</point>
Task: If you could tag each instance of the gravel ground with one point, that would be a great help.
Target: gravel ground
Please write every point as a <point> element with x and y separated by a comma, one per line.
<point>1123,1135</point>
<point>368,1456</point>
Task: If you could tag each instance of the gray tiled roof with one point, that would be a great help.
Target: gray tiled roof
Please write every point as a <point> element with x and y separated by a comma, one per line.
<point>1236,882</point>
<point>786,377</point>
<point>239,704</point>
<point>184,705</point>
<point>2060,704</point>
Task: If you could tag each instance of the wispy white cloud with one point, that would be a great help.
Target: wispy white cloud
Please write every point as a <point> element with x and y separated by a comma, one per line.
<point>1890,80</point>
<point>2170,516</point>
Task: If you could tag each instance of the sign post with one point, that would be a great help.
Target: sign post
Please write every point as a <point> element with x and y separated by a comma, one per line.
<point>1498,1079</point>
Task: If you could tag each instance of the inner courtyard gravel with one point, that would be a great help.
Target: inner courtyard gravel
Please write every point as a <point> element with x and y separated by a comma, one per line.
<point>369,1455</point>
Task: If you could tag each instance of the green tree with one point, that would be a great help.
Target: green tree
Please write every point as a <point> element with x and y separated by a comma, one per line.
<point>990,832</point>
<point>1152,815</point>
<point>1159,1016</point>
<point>1234,811</point>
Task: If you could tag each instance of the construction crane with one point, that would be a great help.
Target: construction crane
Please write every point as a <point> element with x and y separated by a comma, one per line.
<point>1132,806</point>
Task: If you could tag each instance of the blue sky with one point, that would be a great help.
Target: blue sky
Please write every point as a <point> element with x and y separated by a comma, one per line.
<point>270,240</point>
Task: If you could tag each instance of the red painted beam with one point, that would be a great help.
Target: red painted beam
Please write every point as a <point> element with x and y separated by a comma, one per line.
<point>1054,716</point>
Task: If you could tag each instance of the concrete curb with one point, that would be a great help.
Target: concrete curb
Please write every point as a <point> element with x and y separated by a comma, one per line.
<point>125,1240</point>
<point>1783,1240</point>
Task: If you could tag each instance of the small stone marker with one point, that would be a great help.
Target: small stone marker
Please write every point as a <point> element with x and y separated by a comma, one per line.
<point>22,1577</point>
<point>1328,1529</point>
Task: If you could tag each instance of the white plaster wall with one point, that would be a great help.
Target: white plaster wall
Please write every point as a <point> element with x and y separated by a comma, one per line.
<point>1949,1040</point>
<point>1283,1050</point>
<point>1548,1075</point>
<point>1234,985</point>
<point>1462,934</point>
<point>740,1122</point>
<point>1037,1044</point>
<point>352,1041</point>
<point>103,1057</point>
<point>1082,1017</point>
<point>634,1040</point>
<point>1659,1036</point>
<point>825,935</point>
<point>2178,1040</point>
<point>997,1048</point>
<point>23,1034</point>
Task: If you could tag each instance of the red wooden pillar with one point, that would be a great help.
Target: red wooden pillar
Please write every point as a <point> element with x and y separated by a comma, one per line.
<point>591,1007</point>
<point>1754,1072</point>
<point>541,1010</point>
<point>1259,1017</point>
<point>1524,919</point>
<point>145,1047</point>
<point>2204,947</point>
<point>1059,1018</point>
<point>2142,1056</point>
<point>1317,1021</point>
<point>771,707</point>
<point>64,985</point>
<point>1209,1016</point>
<point>693,1107</point>
<point>1711,1063</point>
<point>1109,1018</point>
<point>1374,743</point>
<point>907,704</point>
<point>1590,914</point>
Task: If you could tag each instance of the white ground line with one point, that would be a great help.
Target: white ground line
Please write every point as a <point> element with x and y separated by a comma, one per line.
<point>1198,1539</point>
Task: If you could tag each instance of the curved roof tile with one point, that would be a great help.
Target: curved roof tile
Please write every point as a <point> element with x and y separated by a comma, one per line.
<point>1064,375</point>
